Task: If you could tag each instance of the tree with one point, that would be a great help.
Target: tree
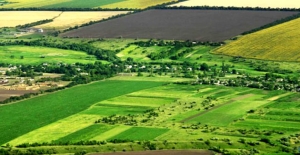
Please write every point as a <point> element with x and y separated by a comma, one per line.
<point>204,67</point>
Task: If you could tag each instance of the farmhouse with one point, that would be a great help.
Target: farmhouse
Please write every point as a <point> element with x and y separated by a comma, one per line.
<point>4,81</point>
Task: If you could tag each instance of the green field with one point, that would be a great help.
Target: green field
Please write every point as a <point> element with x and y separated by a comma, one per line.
<point>39,55</point>
<point>267,44</point>
<point>40,111</point>
<point>110,109</point>
<point>83,4</point>
<point>86,133</point>
<point>140,133</point>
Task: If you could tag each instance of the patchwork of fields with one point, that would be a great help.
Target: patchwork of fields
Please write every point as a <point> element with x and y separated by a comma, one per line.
<point>140,4</point>
<point>242,3</point>
<point>201,25</point>
<point>279,43</point>
<point>166,93</point>
<point>181,113</point>
<point>62,20</point>
<point>50,108</point>
<point>14,18</point>
<point>39,55</point>
<point>71,19</point>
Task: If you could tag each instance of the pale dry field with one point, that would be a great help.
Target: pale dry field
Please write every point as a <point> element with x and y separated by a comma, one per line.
<point>14,18</point>
<point>31,3</point>
<point>243,3</point>
<point>70,19</point>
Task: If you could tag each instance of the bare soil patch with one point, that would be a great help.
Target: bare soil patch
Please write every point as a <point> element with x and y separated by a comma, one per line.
<point>200,25</point>
<point>5,94</point>
<point>162,152</point>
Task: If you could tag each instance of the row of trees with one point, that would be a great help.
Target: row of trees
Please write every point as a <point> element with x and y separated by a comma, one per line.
<point>205,7</point>
<point>40,22</point>
<point>101,54</point>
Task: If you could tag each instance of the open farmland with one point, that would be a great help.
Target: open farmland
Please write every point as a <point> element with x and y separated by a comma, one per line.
<point>14,18</point>
<point>168,130</point>
<point>39,55</point>
<point>71,19</point>
<point>242,3</point>
<point>164,152</point>
<point>280,43</point>
<point>140,4</point>
<point>201,25</point>
<point>28,3</point>
<point>40,111</point>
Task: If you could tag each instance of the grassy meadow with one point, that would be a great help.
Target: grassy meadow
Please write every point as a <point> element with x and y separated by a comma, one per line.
<point>39,55</point>
<point>267,44</point>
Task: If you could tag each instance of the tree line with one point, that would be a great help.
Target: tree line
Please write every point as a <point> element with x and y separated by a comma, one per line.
<point>101,54</point>
<point>205,7</point>
<point>40,22</point>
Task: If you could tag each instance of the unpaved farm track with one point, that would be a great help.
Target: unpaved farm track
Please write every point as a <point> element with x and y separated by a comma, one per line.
<point>218,106</point>
<point>161,152</point>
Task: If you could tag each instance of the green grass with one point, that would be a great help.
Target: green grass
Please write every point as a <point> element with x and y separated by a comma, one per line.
<point>38,55</point>
<point>287,102</point>
<point>284,126</point>
<point>86,133</point>
<point>139,101</point>
<point>109,109</point>
<point>22,117</point>
<point>226,114</point>
<point>83,4</point>
<point>140,133</point>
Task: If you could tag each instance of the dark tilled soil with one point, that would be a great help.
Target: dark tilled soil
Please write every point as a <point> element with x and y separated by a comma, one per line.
<point>162,152</point>
<point>200,25</point>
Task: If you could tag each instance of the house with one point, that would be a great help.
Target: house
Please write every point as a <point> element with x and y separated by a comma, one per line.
<point>40,30</point>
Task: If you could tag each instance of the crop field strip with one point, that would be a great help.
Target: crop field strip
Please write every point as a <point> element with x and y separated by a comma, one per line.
<point>14,18</point>
<point>242,3</point>
<point>62,20</point>
<point>268,44</point>
<point>201,25</point>
<point>39,55</point>
<point>140,133</point>
<point>43,107</point>
<point>71,19</point>
<point>135,4</point>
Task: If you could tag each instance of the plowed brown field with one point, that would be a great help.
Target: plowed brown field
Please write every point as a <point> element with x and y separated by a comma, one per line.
<point>201,25</point>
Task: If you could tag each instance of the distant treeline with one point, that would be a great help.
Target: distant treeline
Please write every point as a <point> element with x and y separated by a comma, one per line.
<point>101,54</point>
<point>277,22</point>
<point>40,22</point>
<point>226,8</point>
